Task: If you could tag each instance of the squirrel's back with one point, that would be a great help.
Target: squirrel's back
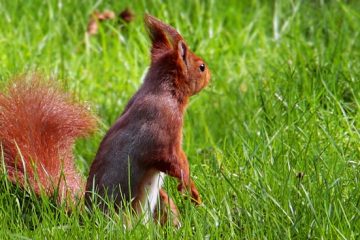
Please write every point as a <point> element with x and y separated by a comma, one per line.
<point>38,127</point>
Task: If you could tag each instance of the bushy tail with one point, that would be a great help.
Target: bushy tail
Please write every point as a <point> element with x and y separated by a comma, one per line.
<point>38,127</point>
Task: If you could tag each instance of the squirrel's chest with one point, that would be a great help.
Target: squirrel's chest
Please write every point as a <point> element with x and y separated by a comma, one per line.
<point>148,193</point>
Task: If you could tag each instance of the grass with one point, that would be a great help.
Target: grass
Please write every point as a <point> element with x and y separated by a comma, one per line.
<point>273,142</point>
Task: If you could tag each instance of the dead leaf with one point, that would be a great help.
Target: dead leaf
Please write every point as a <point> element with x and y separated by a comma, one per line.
<point>127,15</point>
<point>97,17</point>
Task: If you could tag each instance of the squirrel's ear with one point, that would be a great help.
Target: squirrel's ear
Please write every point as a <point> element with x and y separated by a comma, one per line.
<point>160,42</point>
<point>163,36</point>
<point>182,51</point>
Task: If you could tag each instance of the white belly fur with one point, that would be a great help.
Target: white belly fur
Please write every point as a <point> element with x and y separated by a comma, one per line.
<point>150,194</point>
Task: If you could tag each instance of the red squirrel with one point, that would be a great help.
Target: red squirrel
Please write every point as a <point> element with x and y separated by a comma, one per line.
<point>38,127</point>
<point>144,143</point>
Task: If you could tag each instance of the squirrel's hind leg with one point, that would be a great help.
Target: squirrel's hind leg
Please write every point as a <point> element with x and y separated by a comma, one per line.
<point>166,210</point>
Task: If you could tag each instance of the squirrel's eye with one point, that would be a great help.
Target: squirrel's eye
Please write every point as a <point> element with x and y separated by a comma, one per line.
<point>202,67</point>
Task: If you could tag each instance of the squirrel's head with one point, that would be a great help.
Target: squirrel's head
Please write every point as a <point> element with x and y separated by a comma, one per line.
<point>170,52</point>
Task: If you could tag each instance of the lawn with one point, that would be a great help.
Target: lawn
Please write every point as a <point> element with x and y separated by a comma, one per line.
<point>273,142</point>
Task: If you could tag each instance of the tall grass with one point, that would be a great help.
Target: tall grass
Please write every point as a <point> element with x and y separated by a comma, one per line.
<point>274,142</point>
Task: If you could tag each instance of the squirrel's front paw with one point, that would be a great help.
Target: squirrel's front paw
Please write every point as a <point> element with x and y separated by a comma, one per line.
<point>195,196</point>
<point>181,188</point>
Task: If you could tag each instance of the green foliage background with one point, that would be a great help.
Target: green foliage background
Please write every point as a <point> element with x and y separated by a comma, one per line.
<point>273,142</point>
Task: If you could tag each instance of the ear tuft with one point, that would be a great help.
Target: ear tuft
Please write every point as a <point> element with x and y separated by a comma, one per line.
<point>163,36</point>
<point>160,42</point>
<point>156,32</point>
<point>152,22</point>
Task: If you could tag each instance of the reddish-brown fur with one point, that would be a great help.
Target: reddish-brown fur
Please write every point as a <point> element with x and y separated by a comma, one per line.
<point>168,210</point>
<point>147,137</point>
<point>39,125</point>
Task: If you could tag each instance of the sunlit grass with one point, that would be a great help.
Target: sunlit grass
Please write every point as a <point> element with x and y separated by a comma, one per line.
<point>273,142</point>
